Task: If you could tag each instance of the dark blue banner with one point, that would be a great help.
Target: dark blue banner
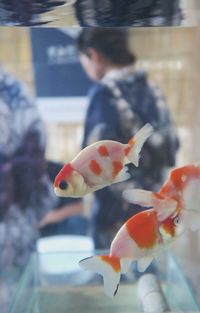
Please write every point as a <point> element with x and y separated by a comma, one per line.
<point>58,72</point>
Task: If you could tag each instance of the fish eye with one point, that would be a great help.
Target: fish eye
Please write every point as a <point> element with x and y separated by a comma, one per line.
<point>176,220</point>
<point>63,185</point>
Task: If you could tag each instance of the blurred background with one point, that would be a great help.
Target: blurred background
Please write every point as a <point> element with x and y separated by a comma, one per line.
<point>49,56</point>
<point>46,61</point>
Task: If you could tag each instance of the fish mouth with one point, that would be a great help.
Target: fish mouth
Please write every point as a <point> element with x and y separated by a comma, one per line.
<point>56,190</point>
<point>60,193</point>
<point>70,192</point>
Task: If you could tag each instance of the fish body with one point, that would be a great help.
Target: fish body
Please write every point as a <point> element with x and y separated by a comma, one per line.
<point>179,195</point>
<point>172,210</point>
<point>100,164</point>
<point>140,239</point>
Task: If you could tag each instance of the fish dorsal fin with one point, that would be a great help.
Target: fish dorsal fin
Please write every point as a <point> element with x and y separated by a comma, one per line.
<point>136,143</point>
<point>143,264</point>
<point>191,219</point>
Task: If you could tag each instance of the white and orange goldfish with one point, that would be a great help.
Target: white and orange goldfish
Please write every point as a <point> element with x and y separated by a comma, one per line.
<point>140,238</point>
<point>181,191</point>
<point>100,164</point>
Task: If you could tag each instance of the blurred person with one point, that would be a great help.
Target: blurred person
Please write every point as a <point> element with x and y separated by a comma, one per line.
<point>121,101</point>
<point>26,190</point>
<point>22,146</point>
<point>112,13</point>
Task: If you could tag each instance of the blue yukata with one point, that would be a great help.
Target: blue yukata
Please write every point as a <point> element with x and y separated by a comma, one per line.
<point>119,106</point>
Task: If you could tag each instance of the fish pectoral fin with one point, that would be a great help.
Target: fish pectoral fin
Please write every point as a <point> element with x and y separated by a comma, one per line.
<point>192,219</point>
<point>139,196</point>
<point>143,264</point>
<point>164,208</point>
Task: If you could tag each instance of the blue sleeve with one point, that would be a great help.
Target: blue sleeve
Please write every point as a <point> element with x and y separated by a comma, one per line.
<point>102,117</point>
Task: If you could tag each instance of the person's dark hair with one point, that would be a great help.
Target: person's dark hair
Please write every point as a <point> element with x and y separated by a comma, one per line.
<point>111,42</point>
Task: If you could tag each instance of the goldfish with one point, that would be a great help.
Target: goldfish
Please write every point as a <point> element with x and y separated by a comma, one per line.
<point>180,194</point>
<point>99,165</point>
<point>140,239</point>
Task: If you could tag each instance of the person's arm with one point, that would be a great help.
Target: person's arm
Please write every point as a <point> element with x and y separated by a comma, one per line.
<point>62,213</point>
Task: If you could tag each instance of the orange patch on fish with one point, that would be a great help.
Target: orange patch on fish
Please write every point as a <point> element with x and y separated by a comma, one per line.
<point>169,226</point>
<point>131,141</point>
<point>113,261</point>
<point>181,176</point>
<point>95,167</point>
<point>158,196</point>
<point>129,145</point>
<point>117,166</point>
<point>64,174</point>
<point>143,229</point>
<point>127,150</point>
<point>103,150</point>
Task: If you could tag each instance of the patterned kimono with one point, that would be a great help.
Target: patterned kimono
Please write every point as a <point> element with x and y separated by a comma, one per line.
<point>25,192</point>
<point>119,105</point>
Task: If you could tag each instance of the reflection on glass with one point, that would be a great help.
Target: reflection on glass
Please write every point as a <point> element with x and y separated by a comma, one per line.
<point>128,13</point>
<point>98,12</point>
<point>26,12</point>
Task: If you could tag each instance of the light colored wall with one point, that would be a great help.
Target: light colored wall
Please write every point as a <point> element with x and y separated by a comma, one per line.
<point>167,55</point>
<point>15,53</point>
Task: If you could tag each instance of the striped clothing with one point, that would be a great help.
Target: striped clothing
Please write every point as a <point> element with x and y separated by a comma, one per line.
<point>119,106</point>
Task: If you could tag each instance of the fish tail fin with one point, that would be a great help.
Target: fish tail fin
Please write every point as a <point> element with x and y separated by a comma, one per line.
<point>164,206</point>
<point>135,144</point>
<point>107,266</point>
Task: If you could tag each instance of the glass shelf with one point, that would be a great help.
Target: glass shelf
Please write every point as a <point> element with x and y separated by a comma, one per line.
<point>55,283</point>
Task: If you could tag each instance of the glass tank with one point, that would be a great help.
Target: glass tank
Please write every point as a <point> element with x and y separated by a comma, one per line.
<point>44,99</point>
<point>55,283</point>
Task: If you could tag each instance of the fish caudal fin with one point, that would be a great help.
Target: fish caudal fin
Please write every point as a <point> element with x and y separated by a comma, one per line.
<point>107,266</point>
<point>135,144</point>
<point>163,206</point>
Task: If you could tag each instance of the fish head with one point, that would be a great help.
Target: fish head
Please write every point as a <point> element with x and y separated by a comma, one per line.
<point>70,183</point>
<point>173,226</point>
<point>62,183</point>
